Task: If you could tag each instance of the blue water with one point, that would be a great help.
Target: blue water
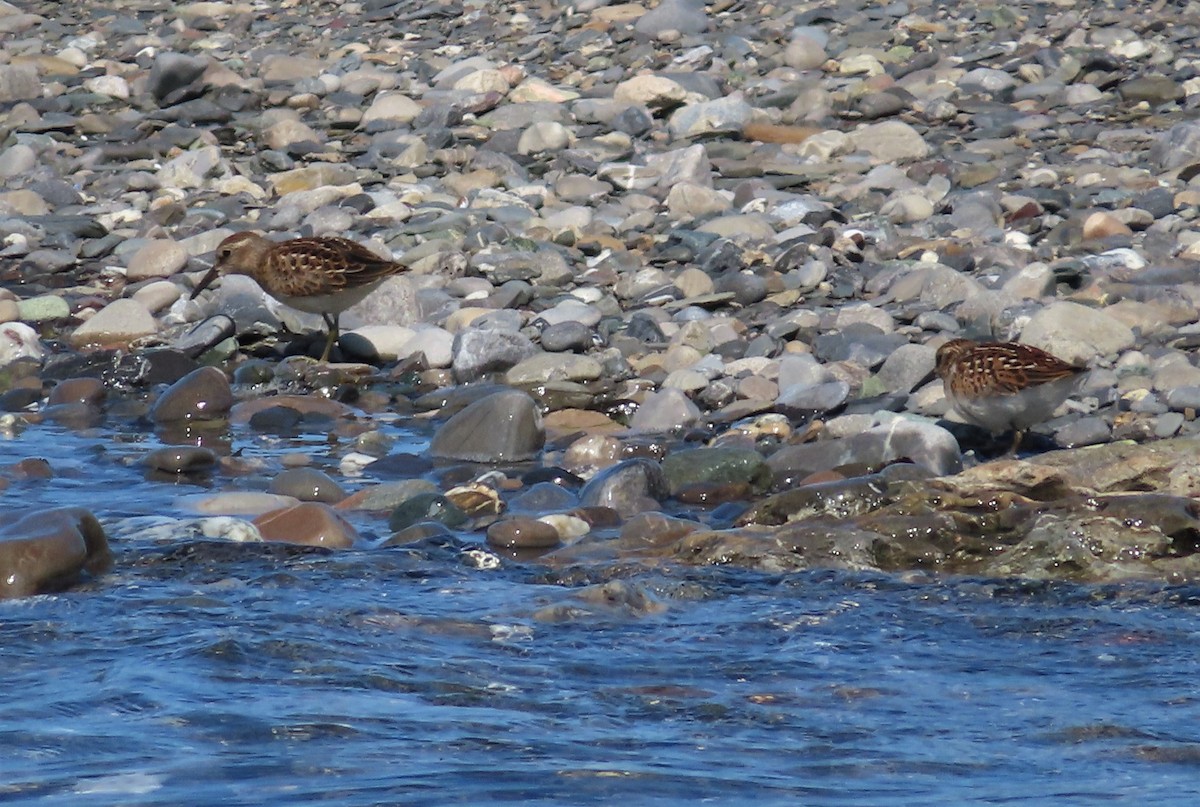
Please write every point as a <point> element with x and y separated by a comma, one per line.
<point>205,673</point>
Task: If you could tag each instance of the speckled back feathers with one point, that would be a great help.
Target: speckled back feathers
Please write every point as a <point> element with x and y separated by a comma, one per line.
<point>974,369</point>
<point>303,267</point>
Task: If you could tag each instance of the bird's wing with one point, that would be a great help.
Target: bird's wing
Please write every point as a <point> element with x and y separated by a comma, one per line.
<point>326,265</point>
<point>1028,366</point>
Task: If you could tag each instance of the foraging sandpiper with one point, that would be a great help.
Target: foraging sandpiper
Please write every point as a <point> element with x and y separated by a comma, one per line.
<point>323,275</point>
<point>1004,385</point>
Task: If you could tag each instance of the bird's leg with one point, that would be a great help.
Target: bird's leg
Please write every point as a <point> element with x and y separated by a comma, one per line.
<point>331,326</point>
<point>1018,435</point>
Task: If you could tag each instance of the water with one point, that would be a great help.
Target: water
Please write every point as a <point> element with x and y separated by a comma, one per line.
<point>202,673</point>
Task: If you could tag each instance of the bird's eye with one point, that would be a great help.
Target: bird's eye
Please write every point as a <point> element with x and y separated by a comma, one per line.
<point>222,254</point>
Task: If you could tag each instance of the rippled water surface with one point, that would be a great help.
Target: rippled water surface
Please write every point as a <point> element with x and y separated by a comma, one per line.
<point>205,673</point>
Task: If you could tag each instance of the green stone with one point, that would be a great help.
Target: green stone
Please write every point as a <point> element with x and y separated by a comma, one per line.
<point>43,308</point>
<point>871,387</point>
<point>426,507</point>
<point>716,466</point>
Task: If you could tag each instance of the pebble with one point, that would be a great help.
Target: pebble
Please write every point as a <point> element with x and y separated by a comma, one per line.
<point>629,487</point>
<point>426,507</point>
<point>307,485</point>
<point>702,466</point>
<point>522,533</point>
<point>86,391</point>
<point>50,548</point>
<point>203,394</point>
<point>567,336</point>
<point>664,411</point>
<point>501,427</point>
<point>158,258</point>
<point>19,341</point>
<point>118,323</point>
<point>307,523</point>
<point>181,459</point>
<point>477,351</point>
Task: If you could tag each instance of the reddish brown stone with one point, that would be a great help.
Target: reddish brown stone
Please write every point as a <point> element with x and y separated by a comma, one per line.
<point>522,533</point>
<point>45,551</point>
<point>308,523</point>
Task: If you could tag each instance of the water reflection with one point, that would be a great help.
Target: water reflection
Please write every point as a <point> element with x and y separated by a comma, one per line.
<point>199,671</point>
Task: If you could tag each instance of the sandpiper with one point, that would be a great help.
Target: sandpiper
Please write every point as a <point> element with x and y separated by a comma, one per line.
<point>323,275</point>
<point>1004,385</point>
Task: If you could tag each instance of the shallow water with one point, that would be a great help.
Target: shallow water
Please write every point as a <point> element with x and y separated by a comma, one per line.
<point>199,672</point>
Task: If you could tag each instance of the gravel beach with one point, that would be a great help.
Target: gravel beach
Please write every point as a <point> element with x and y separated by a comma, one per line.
<point>676,276</point>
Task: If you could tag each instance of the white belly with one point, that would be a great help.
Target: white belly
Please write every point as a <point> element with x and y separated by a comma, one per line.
<point>1001,413</point>
<point>328,303</point>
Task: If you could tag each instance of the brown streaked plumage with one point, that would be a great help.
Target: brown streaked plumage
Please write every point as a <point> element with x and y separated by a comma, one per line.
<point>1004,385</point>
<point>323,275</point>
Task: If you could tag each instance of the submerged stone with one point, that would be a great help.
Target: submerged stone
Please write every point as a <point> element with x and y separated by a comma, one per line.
<point>49,550</point>
<point>715,466</point>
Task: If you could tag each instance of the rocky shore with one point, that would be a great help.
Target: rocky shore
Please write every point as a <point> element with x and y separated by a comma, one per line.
<point>676,276</point>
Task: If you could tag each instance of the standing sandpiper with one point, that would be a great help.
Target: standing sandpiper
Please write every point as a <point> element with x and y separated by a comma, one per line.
<point>323,275</point>
<point>1004,385</point>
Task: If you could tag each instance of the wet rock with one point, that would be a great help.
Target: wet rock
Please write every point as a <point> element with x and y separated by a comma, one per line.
<point>798,546</point>
<point>502,427</point>
<point>715,466</point>
<point>49,550</point>
<point>591,453</point>
<point>307,485</point>
<point>838,499</point>
<point>650,533</point>
<point>432,507</point>
<point>566,336</point>
<point>203,394</point>
<point>181,459</point>
<point>87,391</point>
<point>424,534</point>
<point>522,533</point>
<point>307,523</point>
<point>664,411</point>
<point>894,438</point>
<point>543,497</point>
<point>477,500</point>
<point>1090,547</point>
<point>312,407</point>
<point>240,503</point>
<point>629,487</point>
<point>612,599</point>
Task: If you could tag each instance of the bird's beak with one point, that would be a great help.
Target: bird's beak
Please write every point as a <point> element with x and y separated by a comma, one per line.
<point>204,281</point>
